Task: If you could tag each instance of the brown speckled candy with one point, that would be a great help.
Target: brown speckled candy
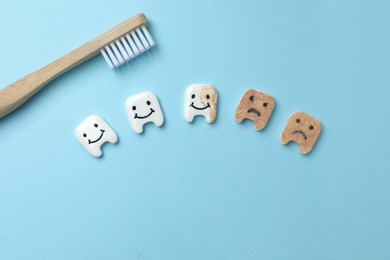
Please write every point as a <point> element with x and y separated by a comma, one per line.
<point>256,106</point>
<point>302,129</point>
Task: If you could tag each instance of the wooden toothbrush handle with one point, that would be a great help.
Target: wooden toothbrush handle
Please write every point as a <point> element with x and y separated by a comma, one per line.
<point>19,92</point>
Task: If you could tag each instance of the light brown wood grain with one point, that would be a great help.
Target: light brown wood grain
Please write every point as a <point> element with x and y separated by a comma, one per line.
<point>17,93</point>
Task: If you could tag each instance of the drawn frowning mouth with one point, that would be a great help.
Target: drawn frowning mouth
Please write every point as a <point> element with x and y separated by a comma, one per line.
<point>254,110</point>
<point>199,108</point>
<point>97,140</point>
<point>143,117</point>
<point>300,132</point>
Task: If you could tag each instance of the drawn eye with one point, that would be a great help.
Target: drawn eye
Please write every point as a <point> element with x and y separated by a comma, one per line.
<point>208,96</point>
<point>148,103</point>
<point>298,120</point>
<point>251,98</point>
<point>85,135</point>
<point>265,104</point>
<point>193,96</point>
<point>311,127</point>
<point>134,107</point>
<point>96,125</point>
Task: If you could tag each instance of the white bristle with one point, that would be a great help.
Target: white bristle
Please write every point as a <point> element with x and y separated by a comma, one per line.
<point>127,47</point>
<point>112,57</point>
<point>137,42</point>
<point>133,46</point>
<point>103,52</point>
<point>122,50</point>
<point>148,36</point>
<point>117,54</point>
<point>143,40</point>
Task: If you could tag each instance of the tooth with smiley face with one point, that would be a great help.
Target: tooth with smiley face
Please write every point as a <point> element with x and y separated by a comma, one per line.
<point>143,108</point>
<point>93,132</point>
<point>256,106</point>
<point>302,129</point>
<point>200,99</point>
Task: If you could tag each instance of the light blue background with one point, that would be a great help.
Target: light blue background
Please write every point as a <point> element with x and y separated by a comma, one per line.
<point>200,191</point>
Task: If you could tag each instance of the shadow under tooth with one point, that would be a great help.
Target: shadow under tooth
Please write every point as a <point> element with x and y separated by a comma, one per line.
<point>122,50</point>
<point>132,44</point>
<point>143,40</point>
<point>148,36</point>
<point>112,57</point>
<point>117,54</point>
<point>137,42</point>
<point>107,59</point>
<point>127,47</point>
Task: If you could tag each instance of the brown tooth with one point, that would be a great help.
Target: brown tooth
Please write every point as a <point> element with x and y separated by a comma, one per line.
<point>297,122</point>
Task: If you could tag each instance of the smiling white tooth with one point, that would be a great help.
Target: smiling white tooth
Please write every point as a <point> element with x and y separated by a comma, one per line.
<point>93,132</point>
<point>143,108</point>
<point>200,99</point>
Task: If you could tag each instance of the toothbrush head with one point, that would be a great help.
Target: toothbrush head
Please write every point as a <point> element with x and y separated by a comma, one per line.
<point>129,44</point>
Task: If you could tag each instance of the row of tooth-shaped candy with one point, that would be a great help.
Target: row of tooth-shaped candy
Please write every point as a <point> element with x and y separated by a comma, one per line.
<point>200,99</point>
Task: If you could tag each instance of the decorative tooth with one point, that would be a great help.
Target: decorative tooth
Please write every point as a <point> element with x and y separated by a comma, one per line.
<point>148,36</point>
<point>112,57</point>
<point>127,47</point>
<point>117,54</point>
<point>132,44</point>
<point>143,40</point>
<point>137,41</point>
<point>103,52</point>
<point>122,50</point>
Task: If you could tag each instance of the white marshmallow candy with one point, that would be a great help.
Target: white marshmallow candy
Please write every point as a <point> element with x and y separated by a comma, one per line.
<point>93,132</point>
<point>143,108</point>
<point>200,99</point>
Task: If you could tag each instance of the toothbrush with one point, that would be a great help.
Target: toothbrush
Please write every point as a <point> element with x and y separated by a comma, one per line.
<point>119,45</point>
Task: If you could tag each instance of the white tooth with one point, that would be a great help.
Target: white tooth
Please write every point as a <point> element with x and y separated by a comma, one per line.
<point>95,127</point>
<point>148,36</point>
<point>107,59</point>
<point>143,108</point>
<point>122,50</point>
<point>137,41</point>
<point>143,40</point>
<point>132,44</point>
<point>117,54</point>
<point>127,47</point>
<point>112,57</point>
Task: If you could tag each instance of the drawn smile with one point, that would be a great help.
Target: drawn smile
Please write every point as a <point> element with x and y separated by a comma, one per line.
<point>92,142</point>
<point>254,110</point>
<point>143,117</point>
<point>199,108</point>
<point>300,132</point>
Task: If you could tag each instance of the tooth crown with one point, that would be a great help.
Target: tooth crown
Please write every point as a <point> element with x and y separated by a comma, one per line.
<point>200,99</point>
<point>143,108</point>
<point>93,132</point>
<point>302,129</point>
<point>256,106</point>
